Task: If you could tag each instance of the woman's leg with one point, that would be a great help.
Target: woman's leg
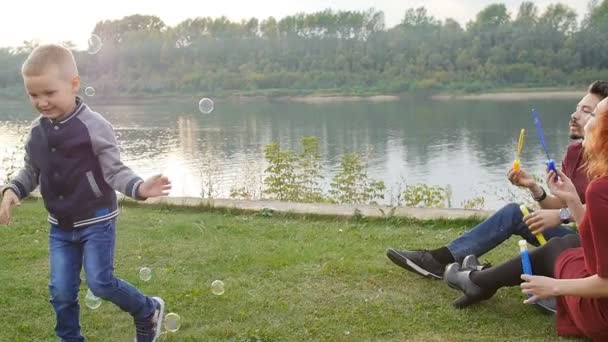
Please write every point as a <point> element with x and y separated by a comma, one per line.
<point>481,285</point>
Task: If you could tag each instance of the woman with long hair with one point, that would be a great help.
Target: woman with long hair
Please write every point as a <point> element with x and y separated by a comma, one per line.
<point>574,269</point>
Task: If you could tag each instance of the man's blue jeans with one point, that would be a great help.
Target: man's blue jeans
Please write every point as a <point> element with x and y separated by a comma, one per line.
<point>92,246</point>
<point>495,229</point>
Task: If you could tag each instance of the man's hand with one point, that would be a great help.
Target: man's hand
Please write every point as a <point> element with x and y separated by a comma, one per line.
<point>9,201</point>
<point>155,186</point>
<point>543,219</point>
<point>521,178</point>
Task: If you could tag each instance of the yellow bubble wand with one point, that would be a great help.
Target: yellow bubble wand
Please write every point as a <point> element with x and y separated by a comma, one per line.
<point>520,146</point>
<point>540,237</point>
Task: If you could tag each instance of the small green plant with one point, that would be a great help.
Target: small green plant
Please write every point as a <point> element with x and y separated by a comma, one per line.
<point>266,212</point>
<point>352,184</point>
<point>427,196</point>
<point>240,192</point>
<point>210,171</point>
<point>474,203</point>
<point>309,171</point>
<point>297,178</point>
<point>294,177</point>
<point>281,179</point>
<point>388,213</point>
<point>358,216</point>
<point>250,186</point>
<point>396,193</point>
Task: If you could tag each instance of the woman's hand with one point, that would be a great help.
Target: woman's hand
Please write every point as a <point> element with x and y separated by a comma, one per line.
<point>561,187</point>
<point>538,287</point>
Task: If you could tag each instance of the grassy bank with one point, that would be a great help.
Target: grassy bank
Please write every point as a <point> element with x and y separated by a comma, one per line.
<point>287,278</point>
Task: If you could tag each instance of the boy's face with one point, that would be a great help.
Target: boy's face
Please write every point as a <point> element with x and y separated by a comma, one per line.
<point>51,93</point>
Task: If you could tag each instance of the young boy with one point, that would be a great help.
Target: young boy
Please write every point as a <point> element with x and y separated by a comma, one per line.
<point>71,152</point>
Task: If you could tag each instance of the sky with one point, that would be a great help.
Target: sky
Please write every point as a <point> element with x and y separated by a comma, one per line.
<point>61,20</point>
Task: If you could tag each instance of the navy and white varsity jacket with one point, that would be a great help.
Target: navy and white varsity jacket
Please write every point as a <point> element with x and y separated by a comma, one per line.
<point>77,164</point>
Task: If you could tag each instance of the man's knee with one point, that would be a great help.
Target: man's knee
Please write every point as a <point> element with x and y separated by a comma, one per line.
<point>510,218</point>
<point>512,209</point>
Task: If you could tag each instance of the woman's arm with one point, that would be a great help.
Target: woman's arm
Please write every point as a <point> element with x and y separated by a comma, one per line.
<point>539,287</point>
<point>577,210</point>
<point>591,287</point>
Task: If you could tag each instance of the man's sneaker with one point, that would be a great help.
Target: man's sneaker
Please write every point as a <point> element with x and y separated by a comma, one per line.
<point>421,262</point>
<point>471,262</point>
<point>148,330</point>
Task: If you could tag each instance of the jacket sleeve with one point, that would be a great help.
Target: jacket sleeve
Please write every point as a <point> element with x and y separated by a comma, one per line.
<point>120,177</point>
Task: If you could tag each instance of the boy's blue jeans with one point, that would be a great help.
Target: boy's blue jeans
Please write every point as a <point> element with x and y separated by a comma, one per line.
<point>93,247</point>
<point>497,228</point>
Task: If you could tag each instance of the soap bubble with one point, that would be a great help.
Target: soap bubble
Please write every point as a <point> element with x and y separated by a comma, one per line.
<point>94,44</point>
<point>217,287</point>
<point>172,322</point>
<point>145,273</point>
<point>91,300</point>
<point>89,91</point>
<point>205,105</point>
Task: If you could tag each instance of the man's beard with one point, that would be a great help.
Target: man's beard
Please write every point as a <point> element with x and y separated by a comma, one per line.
<point>576,136</point>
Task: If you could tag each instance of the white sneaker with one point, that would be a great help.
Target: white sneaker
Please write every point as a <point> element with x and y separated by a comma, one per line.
<point>149,330</point>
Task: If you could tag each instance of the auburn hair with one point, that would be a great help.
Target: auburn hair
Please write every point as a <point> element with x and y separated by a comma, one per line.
<point>596,147</point>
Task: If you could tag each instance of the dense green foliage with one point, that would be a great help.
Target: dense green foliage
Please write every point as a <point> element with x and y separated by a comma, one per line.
<point>341,52</point>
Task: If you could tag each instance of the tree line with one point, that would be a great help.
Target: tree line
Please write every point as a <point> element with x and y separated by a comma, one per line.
<point>340,52</point>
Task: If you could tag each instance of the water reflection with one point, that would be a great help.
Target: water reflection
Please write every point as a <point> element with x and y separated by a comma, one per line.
<point>468,145</point>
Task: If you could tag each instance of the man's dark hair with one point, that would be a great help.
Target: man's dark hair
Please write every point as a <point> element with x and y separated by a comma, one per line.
<point>599,88</point>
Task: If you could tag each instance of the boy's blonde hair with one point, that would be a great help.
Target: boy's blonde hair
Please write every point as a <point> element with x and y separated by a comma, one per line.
<point>45,56</point>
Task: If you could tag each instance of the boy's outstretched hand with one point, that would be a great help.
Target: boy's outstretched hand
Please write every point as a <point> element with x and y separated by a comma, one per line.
<point>9,201</point>
<point>155,186</point>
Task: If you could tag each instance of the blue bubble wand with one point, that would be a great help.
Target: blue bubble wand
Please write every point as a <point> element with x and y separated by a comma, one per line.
<point>526,264</point>
<point>541,137</point>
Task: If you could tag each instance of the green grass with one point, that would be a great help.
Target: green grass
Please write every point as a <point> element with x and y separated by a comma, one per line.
<point>287,278</point>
